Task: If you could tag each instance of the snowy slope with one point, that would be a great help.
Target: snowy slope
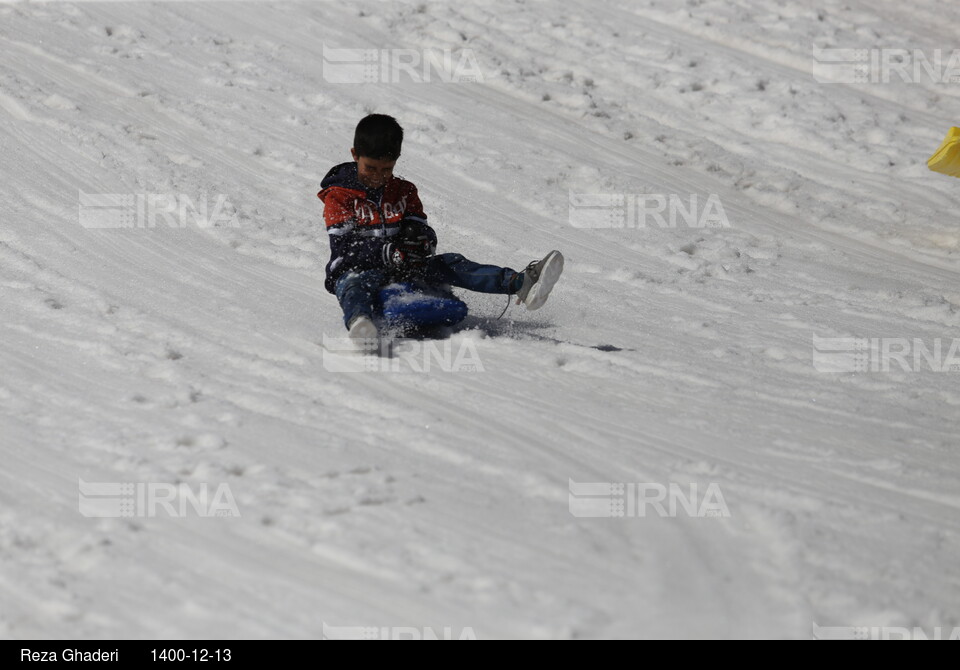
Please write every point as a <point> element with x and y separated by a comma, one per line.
<point>440,499</point>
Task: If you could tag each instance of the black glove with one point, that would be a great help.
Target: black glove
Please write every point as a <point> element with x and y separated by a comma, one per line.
<point>408,252</point>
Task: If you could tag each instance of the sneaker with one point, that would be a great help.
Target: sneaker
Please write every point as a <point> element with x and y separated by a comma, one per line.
<point>538,280</point>
<point>363,332</point>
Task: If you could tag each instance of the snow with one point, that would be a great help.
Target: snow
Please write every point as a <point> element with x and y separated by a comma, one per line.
<point>440,499</point>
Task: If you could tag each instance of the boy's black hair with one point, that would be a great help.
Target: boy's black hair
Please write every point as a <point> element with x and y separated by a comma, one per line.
<point>378,136</point>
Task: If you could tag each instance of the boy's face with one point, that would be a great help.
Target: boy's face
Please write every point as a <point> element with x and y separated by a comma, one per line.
<point>373,172</point>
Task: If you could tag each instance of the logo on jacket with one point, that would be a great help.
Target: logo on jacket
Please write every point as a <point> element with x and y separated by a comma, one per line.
<point>396,210</point>
<point>365,211</point>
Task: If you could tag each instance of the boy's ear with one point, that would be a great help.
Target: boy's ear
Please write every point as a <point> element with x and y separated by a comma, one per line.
<point>353,152</point>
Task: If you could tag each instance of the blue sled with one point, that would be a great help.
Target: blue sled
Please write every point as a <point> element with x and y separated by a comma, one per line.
<point>409,305</point>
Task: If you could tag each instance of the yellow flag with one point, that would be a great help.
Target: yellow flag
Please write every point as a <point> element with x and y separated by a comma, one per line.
<point>947,159</point>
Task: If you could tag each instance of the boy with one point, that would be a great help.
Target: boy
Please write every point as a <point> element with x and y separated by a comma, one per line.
<point>379,234</point>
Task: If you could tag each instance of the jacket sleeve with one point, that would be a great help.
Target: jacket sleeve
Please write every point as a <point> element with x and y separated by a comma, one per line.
<point>414,210</point>
<point>414,219</point>
<point>337,213</point>
<point>349,250</point>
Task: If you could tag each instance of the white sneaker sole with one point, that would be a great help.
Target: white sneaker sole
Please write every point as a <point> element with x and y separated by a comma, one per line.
<point>549,274</point>
<point>363,333</point>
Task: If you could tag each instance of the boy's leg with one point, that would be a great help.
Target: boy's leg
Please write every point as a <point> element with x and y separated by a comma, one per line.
<point>457,271</point>
<point>357,293</point>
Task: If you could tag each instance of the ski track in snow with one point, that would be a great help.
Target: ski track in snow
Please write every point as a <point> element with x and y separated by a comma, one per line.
<point>440,499</point>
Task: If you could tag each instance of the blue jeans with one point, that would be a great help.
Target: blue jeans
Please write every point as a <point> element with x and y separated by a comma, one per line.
<point>358,292</point>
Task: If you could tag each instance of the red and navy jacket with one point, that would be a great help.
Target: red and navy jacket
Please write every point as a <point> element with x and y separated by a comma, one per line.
<point>360,220</point>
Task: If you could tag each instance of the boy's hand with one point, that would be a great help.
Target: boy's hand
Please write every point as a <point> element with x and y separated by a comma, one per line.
<point>408,252</point>
<point>407,255</point>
